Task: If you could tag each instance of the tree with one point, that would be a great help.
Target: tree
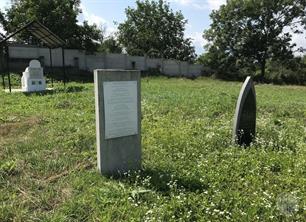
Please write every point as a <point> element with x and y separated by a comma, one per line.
<point>90,37</point>
<point>153,26</point>
<point>110,45</point>
<point>2,21</point>
<point>60,16</point>
<point>247,33</point>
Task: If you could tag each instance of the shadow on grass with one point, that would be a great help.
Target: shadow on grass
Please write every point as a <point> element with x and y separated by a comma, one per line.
<point>71,89</point>
<point>162,181</point>
<point>42,93</point>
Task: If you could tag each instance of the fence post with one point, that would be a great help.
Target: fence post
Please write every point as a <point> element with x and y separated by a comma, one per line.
<point>2,65</point>
<point>8,67</point>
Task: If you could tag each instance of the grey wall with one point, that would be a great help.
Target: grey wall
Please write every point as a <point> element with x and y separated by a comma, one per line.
<point>78,58</point>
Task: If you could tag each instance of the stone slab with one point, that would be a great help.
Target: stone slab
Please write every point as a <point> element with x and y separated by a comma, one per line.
<point>117,155</point>
<point>244,128</point>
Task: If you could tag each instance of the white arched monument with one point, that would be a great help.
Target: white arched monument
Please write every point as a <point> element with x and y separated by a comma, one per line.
<point>33,79</point>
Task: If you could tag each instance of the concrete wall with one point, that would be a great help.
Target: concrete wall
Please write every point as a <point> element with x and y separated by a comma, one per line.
<point>115,61</point>
<point>172,68</point>
<point>154,63</point>
<point>79,59</point>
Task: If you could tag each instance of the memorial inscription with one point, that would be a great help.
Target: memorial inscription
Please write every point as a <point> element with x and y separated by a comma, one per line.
<point>120,102</point>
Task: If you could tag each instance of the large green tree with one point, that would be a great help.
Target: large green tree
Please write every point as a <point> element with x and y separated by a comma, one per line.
<point>89,37</point>
<point>247,33</point>
<point>110,45</point>
<point>152,26</point>
<point>60,16</point>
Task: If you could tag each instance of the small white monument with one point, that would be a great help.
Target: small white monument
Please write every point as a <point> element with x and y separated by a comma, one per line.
<point>33,79</point>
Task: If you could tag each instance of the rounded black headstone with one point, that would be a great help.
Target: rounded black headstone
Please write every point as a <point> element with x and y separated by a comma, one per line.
<point>245,115</point>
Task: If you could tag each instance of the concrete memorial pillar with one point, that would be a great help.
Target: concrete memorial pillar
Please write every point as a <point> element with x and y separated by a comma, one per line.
<point>118,120</point>
<point>245,115</point>
<point>33,79</point>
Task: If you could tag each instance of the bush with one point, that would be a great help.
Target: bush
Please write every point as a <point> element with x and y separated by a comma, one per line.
<point>290,71</point>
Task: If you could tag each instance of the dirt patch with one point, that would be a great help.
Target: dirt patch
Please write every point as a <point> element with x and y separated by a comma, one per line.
<point>10,128</point>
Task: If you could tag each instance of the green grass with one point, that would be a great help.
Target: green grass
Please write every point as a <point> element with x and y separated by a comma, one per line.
<point>191,169</point>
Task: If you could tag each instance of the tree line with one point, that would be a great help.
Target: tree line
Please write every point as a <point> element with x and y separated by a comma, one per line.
<point>60,16</point>
<point>246,37</point>
<point>254,37</point>
<point>151,28</point>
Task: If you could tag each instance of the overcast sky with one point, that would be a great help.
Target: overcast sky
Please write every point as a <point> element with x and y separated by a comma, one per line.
<point>106,12</point>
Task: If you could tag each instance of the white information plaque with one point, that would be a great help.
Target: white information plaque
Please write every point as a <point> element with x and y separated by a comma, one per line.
<point>120,105</point>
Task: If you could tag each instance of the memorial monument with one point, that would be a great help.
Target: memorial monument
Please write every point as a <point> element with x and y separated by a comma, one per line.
<point>33,79</point>
<point>245,115</point>
<point>118,120</point>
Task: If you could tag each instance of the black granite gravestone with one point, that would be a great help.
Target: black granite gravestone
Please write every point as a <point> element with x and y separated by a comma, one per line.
<point>245,115</point>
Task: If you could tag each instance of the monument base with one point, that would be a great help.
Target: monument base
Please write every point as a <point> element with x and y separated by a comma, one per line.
<point>22,91</point>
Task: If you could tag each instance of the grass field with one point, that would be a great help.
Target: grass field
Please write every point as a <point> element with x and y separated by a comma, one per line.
<point>191,169</point>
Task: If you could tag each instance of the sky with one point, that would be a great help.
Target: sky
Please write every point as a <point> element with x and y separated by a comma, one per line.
<point>107,12</point>
<point>195,11</point>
